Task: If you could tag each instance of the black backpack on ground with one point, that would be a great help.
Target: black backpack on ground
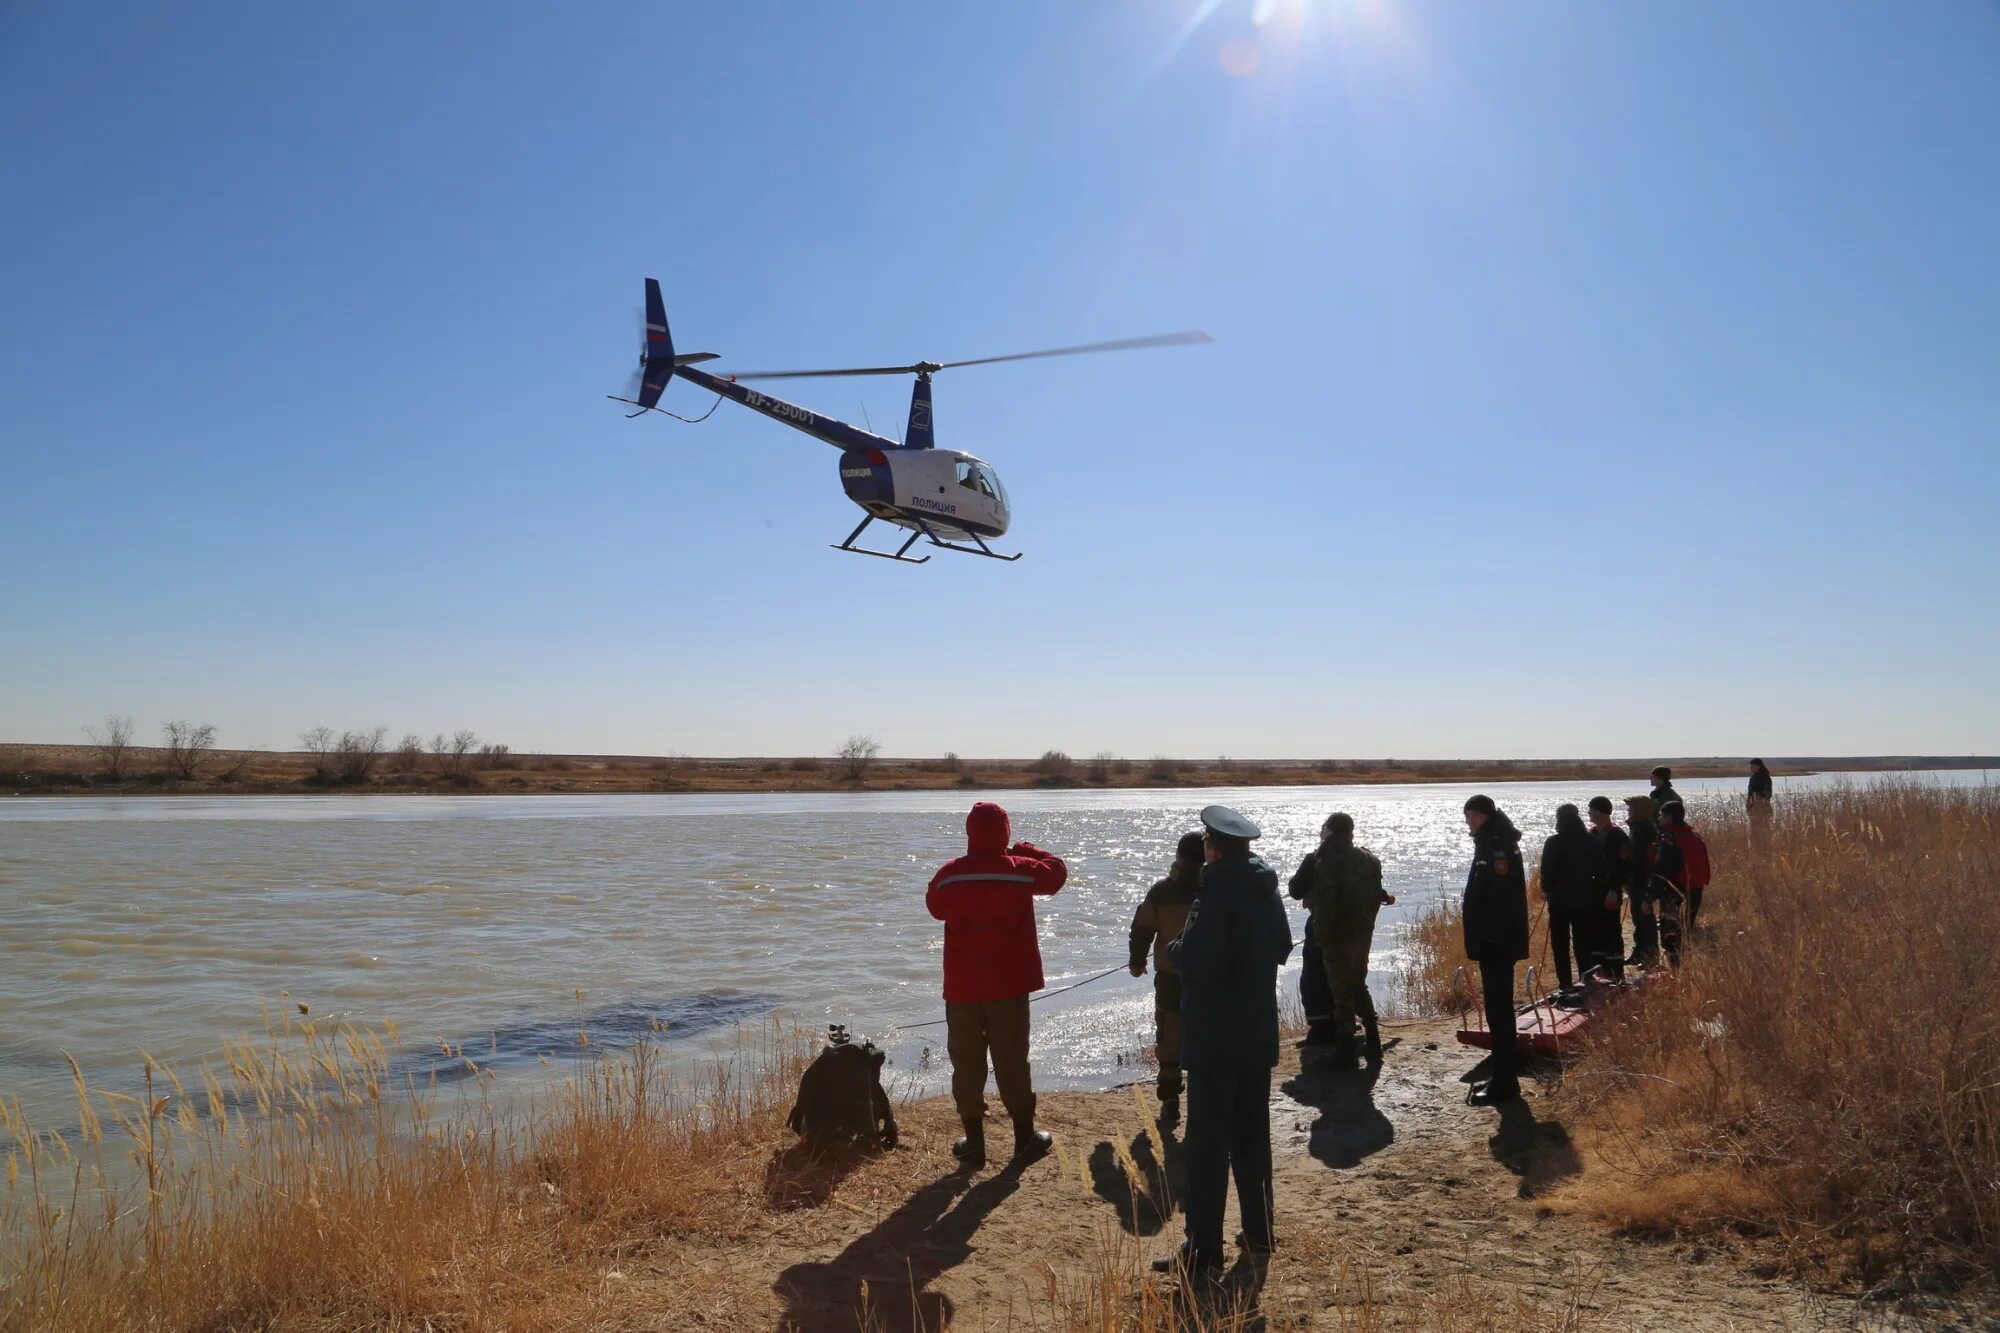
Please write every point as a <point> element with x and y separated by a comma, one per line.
<point>841,1102</point>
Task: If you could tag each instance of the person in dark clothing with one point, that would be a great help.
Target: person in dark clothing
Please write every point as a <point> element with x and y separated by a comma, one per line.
<point>1759,802</point>
<point>1663,787</point>
<point>1644,833</point>
<point>1760,783</point>
<point>1496,935</point>
<point>1668,880</point>
<point>1616,847</point>
<point>1155,925</point>
<point>1573,887</point>
<point>1237,936</point>
<point>1315,992</point>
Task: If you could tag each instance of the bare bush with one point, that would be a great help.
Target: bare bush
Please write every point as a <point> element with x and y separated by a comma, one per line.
<point>449,753</point>
<point>320,746</point>
<point>856,754</point>
<point>359,752</point>
<point>493,755</point>
<point>188,745</point>
<point>1162,769</point>
<point>410,753</point>
<point>112,740</point>
<point>1100,766</point>
<point>1055,764</point>
<point>235,767</point>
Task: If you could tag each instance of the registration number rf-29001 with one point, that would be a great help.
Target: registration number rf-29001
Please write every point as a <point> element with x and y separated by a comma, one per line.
<point>777,407</point>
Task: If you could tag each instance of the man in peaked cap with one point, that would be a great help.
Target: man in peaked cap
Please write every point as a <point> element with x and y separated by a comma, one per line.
<point>1236,938</point>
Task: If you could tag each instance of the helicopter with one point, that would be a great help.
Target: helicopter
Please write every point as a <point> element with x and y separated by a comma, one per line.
<point>952,499</point>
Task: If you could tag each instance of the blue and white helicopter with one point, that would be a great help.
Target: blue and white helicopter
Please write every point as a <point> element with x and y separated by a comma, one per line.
<point>947,497</point>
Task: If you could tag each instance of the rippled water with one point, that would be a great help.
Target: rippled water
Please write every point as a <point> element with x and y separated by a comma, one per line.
<point>159,924</point>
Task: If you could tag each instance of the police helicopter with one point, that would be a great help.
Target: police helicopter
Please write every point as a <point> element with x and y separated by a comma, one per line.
<point>946,497</point>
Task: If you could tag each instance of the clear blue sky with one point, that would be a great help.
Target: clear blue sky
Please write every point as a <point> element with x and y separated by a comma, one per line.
<point>1589,378</point>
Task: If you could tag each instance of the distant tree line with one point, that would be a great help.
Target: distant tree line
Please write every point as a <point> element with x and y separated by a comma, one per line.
<point>348,757</point>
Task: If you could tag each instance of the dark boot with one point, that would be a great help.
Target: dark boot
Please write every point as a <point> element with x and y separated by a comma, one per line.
<point>1344,1053</point>
<point>971,1150</point>
<point>1371,1040</point>
<point>1029,1142</point>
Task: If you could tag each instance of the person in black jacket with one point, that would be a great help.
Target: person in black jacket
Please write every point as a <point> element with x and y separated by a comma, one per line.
<point>1616,846</point>
<point>1639,887</point>
<point>1496,935</point>
<point>1663,787</point>
<point>1759,803</point>
<point>1573,886</point>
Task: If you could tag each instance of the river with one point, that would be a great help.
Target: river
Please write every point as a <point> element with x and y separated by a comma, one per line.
<point>161,925</point>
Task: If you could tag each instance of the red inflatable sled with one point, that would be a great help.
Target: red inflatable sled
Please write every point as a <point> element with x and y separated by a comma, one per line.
<point>1547,1025</point>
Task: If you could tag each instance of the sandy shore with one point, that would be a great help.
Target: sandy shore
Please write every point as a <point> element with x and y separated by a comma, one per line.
<point>1389,1188</point>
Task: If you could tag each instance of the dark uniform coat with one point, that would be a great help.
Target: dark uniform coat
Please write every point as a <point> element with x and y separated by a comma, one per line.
<point>1573,871</point>
<point>1236,939</point>
<point>1496,894</point>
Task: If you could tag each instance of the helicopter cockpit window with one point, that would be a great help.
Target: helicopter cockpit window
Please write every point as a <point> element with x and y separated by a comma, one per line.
<point>979,478</point>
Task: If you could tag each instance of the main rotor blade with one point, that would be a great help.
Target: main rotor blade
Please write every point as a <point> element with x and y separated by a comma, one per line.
<point>1119,345</point>
<point>827,374</point>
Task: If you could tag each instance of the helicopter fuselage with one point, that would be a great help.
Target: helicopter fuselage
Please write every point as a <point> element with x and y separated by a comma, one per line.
<point>918,487</point>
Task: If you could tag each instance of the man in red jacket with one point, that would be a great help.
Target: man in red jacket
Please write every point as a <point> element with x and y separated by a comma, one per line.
<point>992,963</point>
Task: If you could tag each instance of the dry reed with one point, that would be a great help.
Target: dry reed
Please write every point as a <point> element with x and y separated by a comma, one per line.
<point>1826,1066</point>
<point>298,1187</point>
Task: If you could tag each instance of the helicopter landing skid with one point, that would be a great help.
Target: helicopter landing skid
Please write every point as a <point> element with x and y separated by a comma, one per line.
<point>901,553</point>
<point>897,554</point>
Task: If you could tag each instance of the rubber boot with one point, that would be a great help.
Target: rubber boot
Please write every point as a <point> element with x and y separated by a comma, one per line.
<point>1371,1041</point>
<point>971,1150</point>
<point>1029,1142</point>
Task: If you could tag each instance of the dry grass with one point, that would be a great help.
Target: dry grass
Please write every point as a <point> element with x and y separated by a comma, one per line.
<point>1424,982</point>
<point>1826,1068</point>
<point>297,1189</point>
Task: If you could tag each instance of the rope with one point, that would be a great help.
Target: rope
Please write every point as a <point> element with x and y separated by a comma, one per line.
<point>1035,999</point>
<point>694,421</point>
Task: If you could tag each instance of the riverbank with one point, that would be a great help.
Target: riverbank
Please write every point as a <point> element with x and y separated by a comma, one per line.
<point>78,770</point>
<point>1776,1140</point>
<point>1399,1207</point>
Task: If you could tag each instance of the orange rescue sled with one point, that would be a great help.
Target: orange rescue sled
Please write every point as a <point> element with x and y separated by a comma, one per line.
<point>1542,1026</point>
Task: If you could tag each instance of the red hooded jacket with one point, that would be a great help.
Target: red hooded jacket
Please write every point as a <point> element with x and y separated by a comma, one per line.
<point>986,900</point>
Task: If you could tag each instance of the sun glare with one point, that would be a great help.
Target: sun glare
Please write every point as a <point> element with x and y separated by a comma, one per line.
<point>1280,31</point>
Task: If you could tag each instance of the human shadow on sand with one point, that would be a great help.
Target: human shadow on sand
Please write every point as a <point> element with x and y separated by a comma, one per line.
<point>1350,1127</point>
<point>879,1281</point>
<point>1143,1210</point>
<point>1538,1151</point>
